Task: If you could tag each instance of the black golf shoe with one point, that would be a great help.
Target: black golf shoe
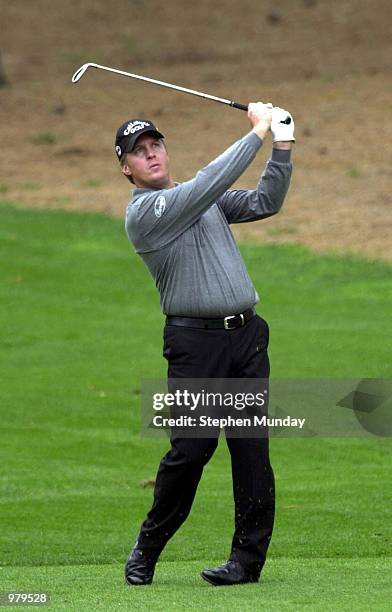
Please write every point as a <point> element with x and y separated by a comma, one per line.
<point>140,566</point>
<point>231,572</point>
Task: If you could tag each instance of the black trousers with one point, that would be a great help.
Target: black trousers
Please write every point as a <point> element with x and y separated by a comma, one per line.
<point>200,353</point>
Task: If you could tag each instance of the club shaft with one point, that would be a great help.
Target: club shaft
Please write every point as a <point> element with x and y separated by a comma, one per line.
<point>79,73</point>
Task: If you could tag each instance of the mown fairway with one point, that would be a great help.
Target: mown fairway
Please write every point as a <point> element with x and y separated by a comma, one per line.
<point>80,329</point>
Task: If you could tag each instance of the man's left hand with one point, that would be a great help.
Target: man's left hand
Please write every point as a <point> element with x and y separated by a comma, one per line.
<point>282,132</point>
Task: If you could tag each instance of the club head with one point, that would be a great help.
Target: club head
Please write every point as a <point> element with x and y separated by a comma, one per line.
<point>80,71</point>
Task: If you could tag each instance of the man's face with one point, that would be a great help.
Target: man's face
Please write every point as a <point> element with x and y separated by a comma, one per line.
<point>148,163</point>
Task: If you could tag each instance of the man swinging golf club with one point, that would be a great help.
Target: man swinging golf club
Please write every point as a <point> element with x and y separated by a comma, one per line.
<point>182,233</point>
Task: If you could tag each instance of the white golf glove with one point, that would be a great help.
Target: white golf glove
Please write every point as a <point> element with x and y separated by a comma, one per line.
<point>282,131</point>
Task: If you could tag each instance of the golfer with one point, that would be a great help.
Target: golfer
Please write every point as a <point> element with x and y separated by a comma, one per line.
<point>182,232</point>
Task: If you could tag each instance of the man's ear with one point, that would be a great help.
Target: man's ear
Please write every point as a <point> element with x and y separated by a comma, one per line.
<point>126,169</point>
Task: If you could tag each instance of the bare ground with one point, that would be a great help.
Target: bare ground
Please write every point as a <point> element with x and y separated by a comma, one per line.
<point>327,61</point>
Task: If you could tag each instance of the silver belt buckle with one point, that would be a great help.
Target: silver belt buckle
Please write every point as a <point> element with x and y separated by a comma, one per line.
<point>226,323</point>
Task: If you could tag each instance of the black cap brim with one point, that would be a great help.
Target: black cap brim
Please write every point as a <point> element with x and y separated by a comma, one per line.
<point>135,137</point>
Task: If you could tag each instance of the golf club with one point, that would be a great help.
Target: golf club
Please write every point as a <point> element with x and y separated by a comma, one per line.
<point>81,71</point>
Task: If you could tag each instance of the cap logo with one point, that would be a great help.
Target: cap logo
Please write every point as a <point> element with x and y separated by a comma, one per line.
<point>159,206</point>
<point>135,126</point>
<point>118,150</point>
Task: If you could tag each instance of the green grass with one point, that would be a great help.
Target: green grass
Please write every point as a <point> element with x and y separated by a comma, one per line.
<point>81,328</point>
<point>31,186</point>
<point>44,138</point>
<point>354,172</point>
<point>92,183</point>
<point>319,584</point>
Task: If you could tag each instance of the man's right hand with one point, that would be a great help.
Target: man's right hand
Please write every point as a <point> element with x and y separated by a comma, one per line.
<point>260,116</point>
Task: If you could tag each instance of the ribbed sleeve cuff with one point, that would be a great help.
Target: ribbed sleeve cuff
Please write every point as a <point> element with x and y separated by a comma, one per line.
<point>282,156</point>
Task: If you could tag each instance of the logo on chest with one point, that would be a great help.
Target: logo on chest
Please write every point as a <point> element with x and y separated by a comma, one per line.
<point>159,206</point>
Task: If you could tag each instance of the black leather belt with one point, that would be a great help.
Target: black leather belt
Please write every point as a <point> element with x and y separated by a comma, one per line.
<point>230,322</point>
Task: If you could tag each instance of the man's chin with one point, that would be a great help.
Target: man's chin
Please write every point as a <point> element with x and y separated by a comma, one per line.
<point>157,182</point>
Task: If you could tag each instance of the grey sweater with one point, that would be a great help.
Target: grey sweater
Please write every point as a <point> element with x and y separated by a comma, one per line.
<point>184,238</point>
